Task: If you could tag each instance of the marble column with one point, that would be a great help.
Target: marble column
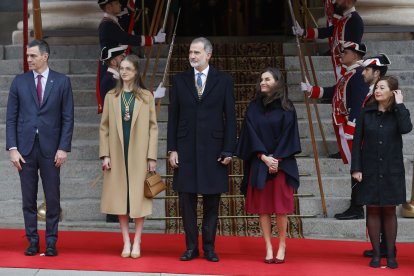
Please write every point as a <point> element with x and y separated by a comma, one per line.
<point>66,22</point>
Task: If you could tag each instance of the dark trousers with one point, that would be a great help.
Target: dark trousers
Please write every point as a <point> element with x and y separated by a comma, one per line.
<point>188,209</point>
<point>354,187</point>
<point>29,178</point>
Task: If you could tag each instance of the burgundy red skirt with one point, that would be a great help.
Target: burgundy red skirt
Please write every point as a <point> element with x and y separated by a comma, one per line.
<point>275,198</point>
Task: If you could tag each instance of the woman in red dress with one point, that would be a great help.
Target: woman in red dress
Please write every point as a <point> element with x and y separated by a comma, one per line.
<point>268,142</point>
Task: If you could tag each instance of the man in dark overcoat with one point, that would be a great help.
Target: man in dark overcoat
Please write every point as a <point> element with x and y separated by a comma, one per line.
<point>201,140</point>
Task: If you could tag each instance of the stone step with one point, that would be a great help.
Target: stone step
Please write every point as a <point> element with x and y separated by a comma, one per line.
<point>397,47</point>
<point>150,226</point>
<point>330,228</point>
<point>334,186</point>
<point>325,110</point>
<point>327,78</point>
<point>89,169</point>
<point>68,51</point>
<point>88,114</point>
<point>334,205</point>
<point>89,149</point>
<point>79,209</point>
<point>72,66</point>
<point>324,63</point>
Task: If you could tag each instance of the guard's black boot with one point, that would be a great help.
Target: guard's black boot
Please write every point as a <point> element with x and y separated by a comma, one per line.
<point>353,212</point>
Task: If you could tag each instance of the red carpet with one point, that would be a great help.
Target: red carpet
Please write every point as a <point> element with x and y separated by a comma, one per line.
<point>160,252</point>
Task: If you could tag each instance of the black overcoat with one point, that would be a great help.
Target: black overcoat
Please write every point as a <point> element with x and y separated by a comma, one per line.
<point>378,153</point>
<point>201,131</point>
<point>272,131</point>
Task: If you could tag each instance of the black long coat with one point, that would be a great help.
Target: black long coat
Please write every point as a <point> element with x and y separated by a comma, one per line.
<point>201,131</point>
<point>377,153</point>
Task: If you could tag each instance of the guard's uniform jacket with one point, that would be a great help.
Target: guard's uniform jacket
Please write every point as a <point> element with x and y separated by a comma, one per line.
<point>347,97</point>
<point>108,82</point>
<point>349,27</point>
<point>111,34</point>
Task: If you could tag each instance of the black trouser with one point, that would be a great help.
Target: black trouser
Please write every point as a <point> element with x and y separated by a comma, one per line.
<point>29,178</point>
<point>354,187</point>
<point>188,209</point>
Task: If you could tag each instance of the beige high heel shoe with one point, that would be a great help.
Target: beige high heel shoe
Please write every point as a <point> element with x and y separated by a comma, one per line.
<point>135,254</point>
<point>126,252</point>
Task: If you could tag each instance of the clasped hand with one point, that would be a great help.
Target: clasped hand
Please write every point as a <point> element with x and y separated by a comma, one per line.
<point>271,163</point>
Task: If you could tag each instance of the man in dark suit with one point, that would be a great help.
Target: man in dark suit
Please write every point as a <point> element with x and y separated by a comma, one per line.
<point>201,140</point>
<point>39,130</point>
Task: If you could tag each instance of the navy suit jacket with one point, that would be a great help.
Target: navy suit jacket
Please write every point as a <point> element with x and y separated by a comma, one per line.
<point>53,119</point>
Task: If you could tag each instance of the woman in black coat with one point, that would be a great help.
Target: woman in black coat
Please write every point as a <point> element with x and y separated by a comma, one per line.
<point>268,141</point>
<point>377,163</point>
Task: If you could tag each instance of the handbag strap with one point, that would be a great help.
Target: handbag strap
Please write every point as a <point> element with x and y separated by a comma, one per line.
<point>151,173</point>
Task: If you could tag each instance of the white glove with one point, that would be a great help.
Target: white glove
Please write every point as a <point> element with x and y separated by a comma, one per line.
<point>297,29</point>
<point>160,37</point>
<point>160,91</point>
<point>306,86</point>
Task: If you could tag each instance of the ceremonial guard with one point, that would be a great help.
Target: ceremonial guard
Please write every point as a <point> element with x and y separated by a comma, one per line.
<point>374,68</point>
<point>348,27</point>
<point>347,98</point>
<point>112,57</point>
<point>111,34</point>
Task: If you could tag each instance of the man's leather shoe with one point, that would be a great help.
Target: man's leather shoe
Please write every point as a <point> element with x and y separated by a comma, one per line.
<point>33,249</point>
<point>190,254</point>
<point>335,155</point>
<point>211,256</point>
<point>51,249</point>
<point>353,212</point>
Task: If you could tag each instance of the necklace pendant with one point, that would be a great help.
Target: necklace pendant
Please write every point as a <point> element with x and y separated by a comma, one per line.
<point>127,116</point>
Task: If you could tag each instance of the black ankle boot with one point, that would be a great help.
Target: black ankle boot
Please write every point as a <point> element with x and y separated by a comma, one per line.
<point>392,263</point>
<point>375,262</point>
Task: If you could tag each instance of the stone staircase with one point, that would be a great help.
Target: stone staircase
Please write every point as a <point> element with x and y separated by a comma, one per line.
<point>80,201</point>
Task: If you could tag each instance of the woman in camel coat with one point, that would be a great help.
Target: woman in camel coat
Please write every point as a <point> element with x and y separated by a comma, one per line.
<point>128,149</point>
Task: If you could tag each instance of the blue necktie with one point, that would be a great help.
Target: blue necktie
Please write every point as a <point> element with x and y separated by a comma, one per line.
<point>199,83</point>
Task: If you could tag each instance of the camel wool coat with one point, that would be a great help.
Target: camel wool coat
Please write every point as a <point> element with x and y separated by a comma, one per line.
<point>143,145</point>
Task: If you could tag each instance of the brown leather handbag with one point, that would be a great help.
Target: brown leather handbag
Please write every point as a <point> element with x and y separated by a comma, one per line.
<point>153,185</point>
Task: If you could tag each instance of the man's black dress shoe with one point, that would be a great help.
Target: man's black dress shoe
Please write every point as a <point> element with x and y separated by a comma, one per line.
<point>32,250</point>
<point>335,155</point>
<point>51,249</point>
<point>188,255</point>
<point>353,212</point>
<point>211,256</point>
